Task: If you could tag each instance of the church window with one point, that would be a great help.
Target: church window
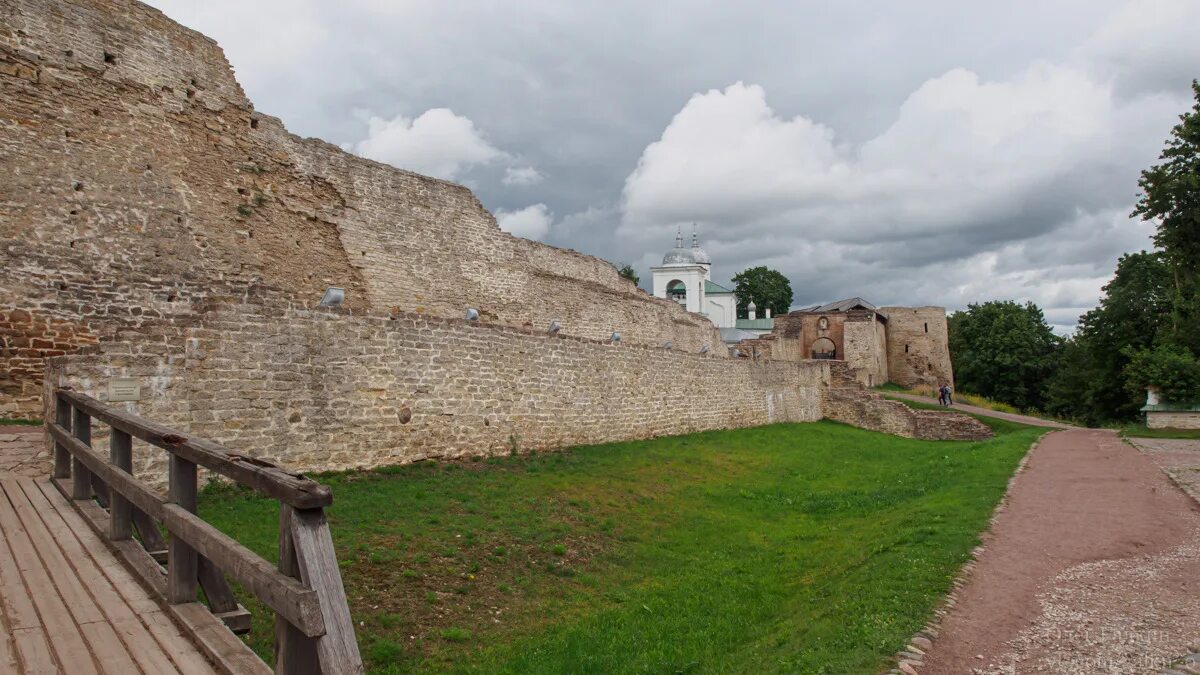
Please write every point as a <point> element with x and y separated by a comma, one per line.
<point>927,327</point>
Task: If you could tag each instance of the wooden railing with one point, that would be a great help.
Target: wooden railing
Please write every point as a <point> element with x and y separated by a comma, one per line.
<point>313,629</point>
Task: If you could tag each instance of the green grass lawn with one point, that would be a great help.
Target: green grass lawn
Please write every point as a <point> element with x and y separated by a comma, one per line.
<point>1142,431</point>
<point>815,548</point>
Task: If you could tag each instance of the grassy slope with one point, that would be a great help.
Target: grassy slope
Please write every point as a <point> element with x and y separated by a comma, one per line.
<point>793,547</point>
<point>1141,431</point>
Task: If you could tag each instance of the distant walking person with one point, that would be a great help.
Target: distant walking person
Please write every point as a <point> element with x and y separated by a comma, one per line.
<point>941,394</point>
<point>949,395</point>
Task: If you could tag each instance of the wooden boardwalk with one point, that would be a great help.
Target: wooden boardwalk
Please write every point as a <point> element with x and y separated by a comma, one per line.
<point>67,605</point>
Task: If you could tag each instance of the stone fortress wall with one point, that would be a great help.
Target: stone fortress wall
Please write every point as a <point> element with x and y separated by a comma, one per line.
<point>318,389</point>
<point>137,179</point>
<point>156,227</point>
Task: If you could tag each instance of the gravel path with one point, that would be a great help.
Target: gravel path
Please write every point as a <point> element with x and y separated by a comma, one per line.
<point>1093,567</point>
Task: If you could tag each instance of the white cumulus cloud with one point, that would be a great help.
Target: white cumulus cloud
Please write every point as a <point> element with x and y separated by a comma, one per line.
<point>438,143</point>
<point>965,192</point>
<point>531,222</point>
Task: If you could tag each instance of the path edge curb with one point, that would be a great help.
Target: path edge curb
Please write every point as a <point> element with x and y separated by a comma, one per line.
<point>911,659</point>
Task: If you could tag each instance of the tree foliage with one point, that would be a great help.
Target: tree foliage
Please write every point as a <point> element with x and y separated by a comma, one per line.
<point>1173,369</point>
<point>626,270</point>
<point>1146,330</point>
<point>1171,200</point>
<point>766,287</point>
<point>1004,351</point>
<point>1090,384</point>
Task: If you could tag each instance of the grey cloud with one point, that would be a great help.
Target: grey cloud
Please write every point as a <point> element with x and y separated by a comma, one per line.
<point>577,91</point>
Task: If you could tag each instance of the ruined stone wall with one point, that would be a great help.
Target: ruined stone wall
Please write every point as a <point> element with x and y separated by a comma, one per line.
<point>334,389</point>
<point>849,402</point>
<point>135,177</point>
<point>865,345</point>
<point>918,351</point>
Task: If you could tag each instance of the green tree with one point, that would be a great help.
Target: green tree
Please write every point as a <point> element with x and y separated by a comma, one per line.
<point>1090,384</point>
<point>1173,369</point>
<point>626,270</point>
<point>766,287</point>
<point>1171,200</point>
<point>1004,351</point>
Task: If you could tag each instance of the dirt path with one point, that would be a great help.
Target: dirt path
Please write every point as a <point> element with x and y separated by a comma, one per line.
<point>975,410</point>
<point>1093,567</point>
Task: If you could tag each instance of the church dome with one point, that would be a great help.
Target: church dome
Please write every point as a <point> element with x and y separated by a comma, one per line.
<point>686,256</point>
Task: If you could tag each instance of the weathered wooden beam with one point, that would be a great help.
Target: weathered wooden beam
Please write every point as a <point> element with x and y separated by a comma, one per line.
<point>285,595</point>
<point>295,652</point>
<point>152,539</point>
<point>220,598</point>
<point>131,488</point>
<point>81,486</point>
<point>121,455</point>
<point>62,457</point>
<point>182,568</point>
<point>317,561</point>
<point>267,478</point>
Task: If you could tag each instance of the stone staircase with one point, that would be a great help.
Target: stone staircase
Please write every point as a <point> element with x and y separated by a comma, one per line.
<point>848,401</point>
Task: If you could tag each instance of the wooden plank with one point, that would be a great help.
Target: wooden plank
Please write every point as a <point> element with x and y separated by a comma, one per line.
<point>338,648</point>
<point>82,431</point>
<point>227,652</point>
<point>271,480</point>
<point>186,655</point>
<point>149,655</point>
<point>34,652</point>
<point>83,609</point>
<point>120,446</point>
<point>8,654</point>
<point>108,648</point>
<point>68,645</point>
<point>295,652</point>
<point>183,652</point>
<point>129,487</point>
<point>138,594</point>
<point>17,604</point>
<point>182,565</point>
<point>148,573</point>
<point>62,458</point>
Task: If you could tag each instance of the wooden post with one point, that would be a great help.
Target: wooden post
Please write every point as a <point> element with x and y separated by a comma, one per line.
<point>120,525</point>
<point>295,653</point>
<point>81,486</point>
<point>62,457</point>
<point>337,648</point>
<point>182,565</point>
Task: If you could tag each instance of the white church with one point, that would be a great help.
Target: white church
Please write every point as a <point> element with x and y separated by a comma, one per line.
<point>683,277</point>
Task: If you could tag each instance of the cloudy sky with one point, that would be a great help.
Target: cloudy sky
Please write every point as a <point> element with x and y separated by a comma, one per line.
<point>911,152</point>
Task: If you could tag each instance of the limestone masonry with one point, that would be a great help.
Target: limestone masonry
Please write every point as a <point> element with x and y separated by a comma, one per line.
<point>138,177</point>
<point>155,227</point>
